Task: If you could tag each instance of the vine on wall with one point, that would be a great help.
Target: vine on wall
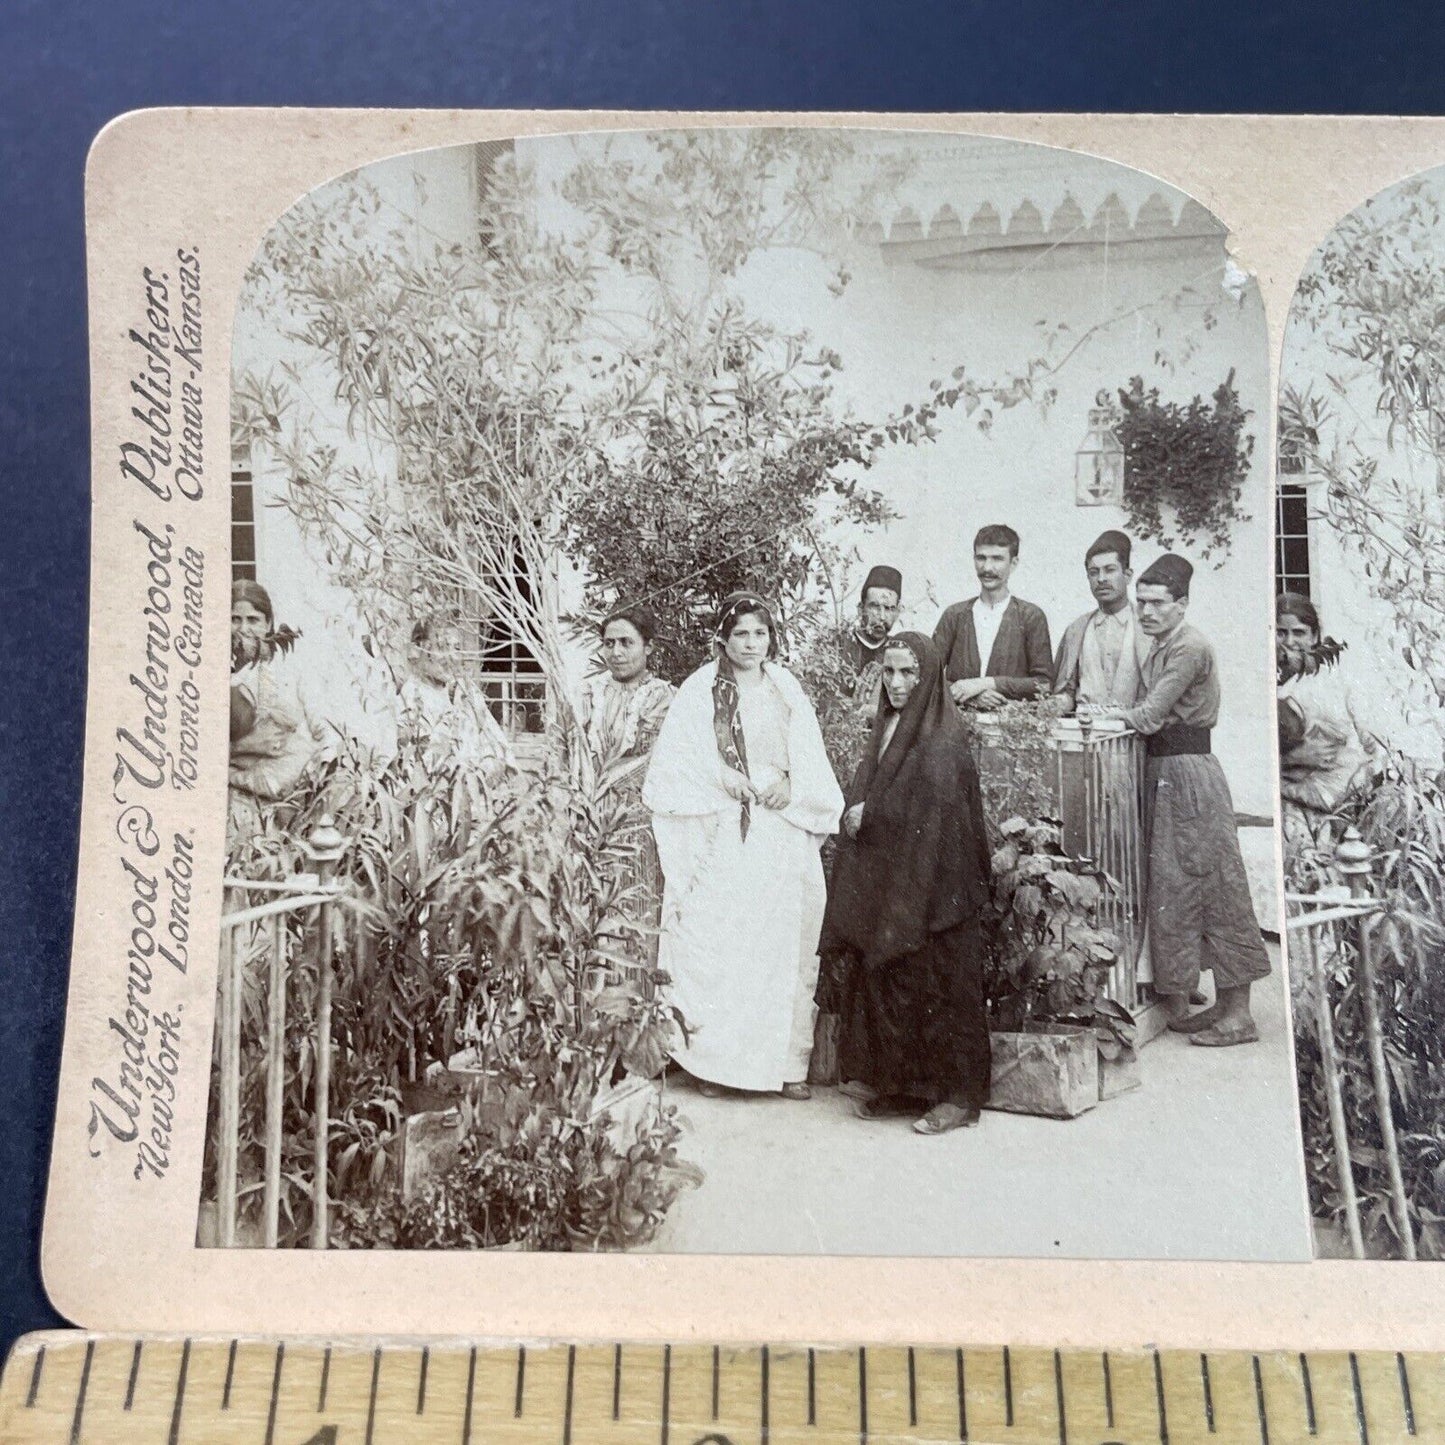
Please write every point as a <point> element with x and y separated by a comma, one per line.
<point>1185,466</point>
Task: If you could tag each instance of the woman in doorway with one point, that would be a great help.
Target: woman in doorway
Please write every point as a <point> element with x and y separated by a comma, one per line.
<point>621,714</point>
<point>1320,755</point>
<point>742,796</point>
<point>906,902</point>
<point>274,733</point>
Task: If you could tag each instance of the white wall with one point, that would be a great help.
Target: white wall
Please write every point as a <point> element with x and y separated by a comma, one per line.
<point>1387,695</point>
<point>430,199</point>
<point>899,325</point>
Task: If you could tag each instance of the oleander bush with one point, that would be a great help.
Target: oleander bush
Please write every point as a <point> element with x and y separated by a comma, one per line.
<point>1401,815</point>
<point>494,913</point>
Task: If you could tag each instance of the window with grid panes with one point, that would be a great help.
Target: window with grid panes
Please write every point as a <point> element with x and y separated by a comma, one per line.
<point>243,516</point>
<point>1291,517</point>
<point>511,675</point>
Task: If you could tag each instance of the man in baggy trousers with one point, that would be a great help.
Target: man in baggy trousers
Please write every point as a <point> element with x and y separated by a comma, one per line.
<point>1200,911</point>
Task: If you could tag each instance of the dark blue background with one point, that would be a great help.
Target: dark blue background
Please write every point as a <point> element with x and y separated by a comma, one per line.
<point>69,67</point>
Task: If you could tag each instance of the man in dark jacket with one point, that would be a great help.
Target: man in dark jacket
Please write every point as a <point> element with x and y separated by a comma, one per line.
<point>995,647</point>
<point>864,644</point>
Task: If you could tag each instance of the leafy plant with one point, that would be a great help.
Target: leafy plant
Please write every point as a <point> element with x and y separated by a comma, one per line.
<point>1053,957</point>
<point>1015,754</point>
<point>1401,816</point>
<point>1373,302</point>
<point>1185,466</point>
<point>496,913</point>
<point>534,1180</point>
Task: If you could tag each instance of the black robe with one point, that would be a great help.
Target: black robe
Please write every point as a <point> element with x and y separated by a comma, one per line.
<point>906,903</point>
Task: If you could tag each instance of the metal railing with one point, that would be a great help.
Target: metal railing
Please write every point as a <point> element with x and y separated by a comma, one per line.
<point>1099,776</point>
<point>1331,926</point>
<point>1094,776</point>
<point>262,928</point>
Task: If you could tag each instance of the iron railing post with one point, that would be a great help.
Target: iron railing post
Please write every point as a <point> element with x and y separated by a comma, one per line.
<point>275,1078</point>
<point>1353,858</point>
<point>326,846</point>
<point>1334,1093</point>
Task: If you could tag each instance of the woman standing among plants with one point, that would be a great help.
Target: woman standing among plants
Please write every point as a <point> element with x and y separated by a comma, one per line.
<point>274,732</point>
<point>909,890</point>
<point>622,712</point>
<point>742,796</point>
<point>1320,755</point>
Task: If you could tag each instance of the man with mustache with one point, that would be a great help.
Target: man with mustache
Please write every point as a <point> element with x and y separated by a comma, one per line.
<point>863,647</point>
<point>995,647</point>
<point>1102,651</point>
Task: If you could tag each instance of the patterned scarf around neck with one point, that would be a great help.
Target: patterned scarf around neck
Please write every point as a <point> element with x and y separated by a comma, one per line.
<point>727,726</point>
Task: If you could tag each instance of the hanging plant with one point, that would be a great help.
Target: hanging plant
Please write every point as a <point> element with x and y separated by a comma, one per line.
<point>1185,466</point>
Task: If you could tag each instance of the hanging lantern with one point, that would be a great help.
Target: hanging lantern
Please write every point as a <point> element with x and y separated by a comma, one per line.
<point>1099,464</point>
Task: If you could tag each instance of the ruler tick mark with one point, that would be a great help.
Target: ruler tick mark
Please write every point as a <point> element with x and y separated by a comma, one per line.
<point>1159,1399</point>
<point>1208,1392</point>
<point>134,1372</point>
<point>617,1382</point>
<point>1059,1398</point>
<point>666,1390</point>
<point>1008,1387</point>
<point>912,1388</point>
<point>765,1397</point>
<point>371,1399</point>
<point>1108,1391</point>
<point>421,1379</point>
<point>1259,1407</point>
<point>962,1398</point>
<point>1304,1374</point>
<point>1360,1420</point>
<point>1405,1397</point>
<point>325,1379</point>
<point>80,1394</point>
<point>175,1433</point>
<point>567,1407</point>
<point>716,1370</point>
<point>230,1375</point>
<point>812,1389</point>
<point>471,1387</point>
<point>35,1370</point>
<point>521,1381</point>
<point>862,1396</point>
<point>275,1395</point>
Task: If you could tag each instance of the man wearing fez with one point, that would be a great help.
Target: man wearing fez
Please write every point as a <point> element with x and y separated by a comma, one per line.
<point>1102,652</point>
<point>863,647</point>
<point>995,647</point>
<point>1200,912</point>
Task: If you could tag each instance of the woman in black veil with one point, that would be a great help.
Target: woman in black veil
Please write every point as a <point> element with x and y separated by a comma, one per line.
<point>909,889</point>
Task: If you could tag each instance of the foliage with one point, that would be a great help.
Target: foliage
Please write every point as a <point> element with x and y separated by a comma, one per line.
<point>1374,301</point>
<point>1053,956</point>
<point>1015,757</point>
<point>1185,466</point>
<point>281,640</point>
<point>452,417</point>
<point>821,664</point>
<point>533,1178</point>
<point>1325,653</point>
<point>1401,815</point>
<point>501,912</point>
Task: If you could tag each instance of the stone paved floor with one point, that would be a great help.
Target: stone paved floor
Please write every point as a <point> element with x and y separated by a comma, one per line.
<point>1203,1162</point>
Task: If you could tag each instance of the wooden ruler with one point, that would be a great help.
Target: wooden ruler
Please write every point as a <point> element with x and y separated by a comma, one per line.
<point>63,1388</point>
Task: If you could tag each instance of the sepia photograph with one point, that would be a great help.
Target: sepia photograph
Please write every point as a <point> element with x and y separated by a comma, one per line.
<point>1360,630</point>
<point>751,724</point>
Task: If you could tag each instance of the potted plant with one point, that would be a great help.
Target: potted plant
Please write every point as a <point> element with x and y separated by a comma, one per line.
<point>1059,1043</point>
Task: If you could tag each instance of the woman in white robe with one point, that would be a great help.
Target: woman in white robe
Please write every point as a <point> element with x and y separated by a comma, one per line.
<point>742,797</point>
